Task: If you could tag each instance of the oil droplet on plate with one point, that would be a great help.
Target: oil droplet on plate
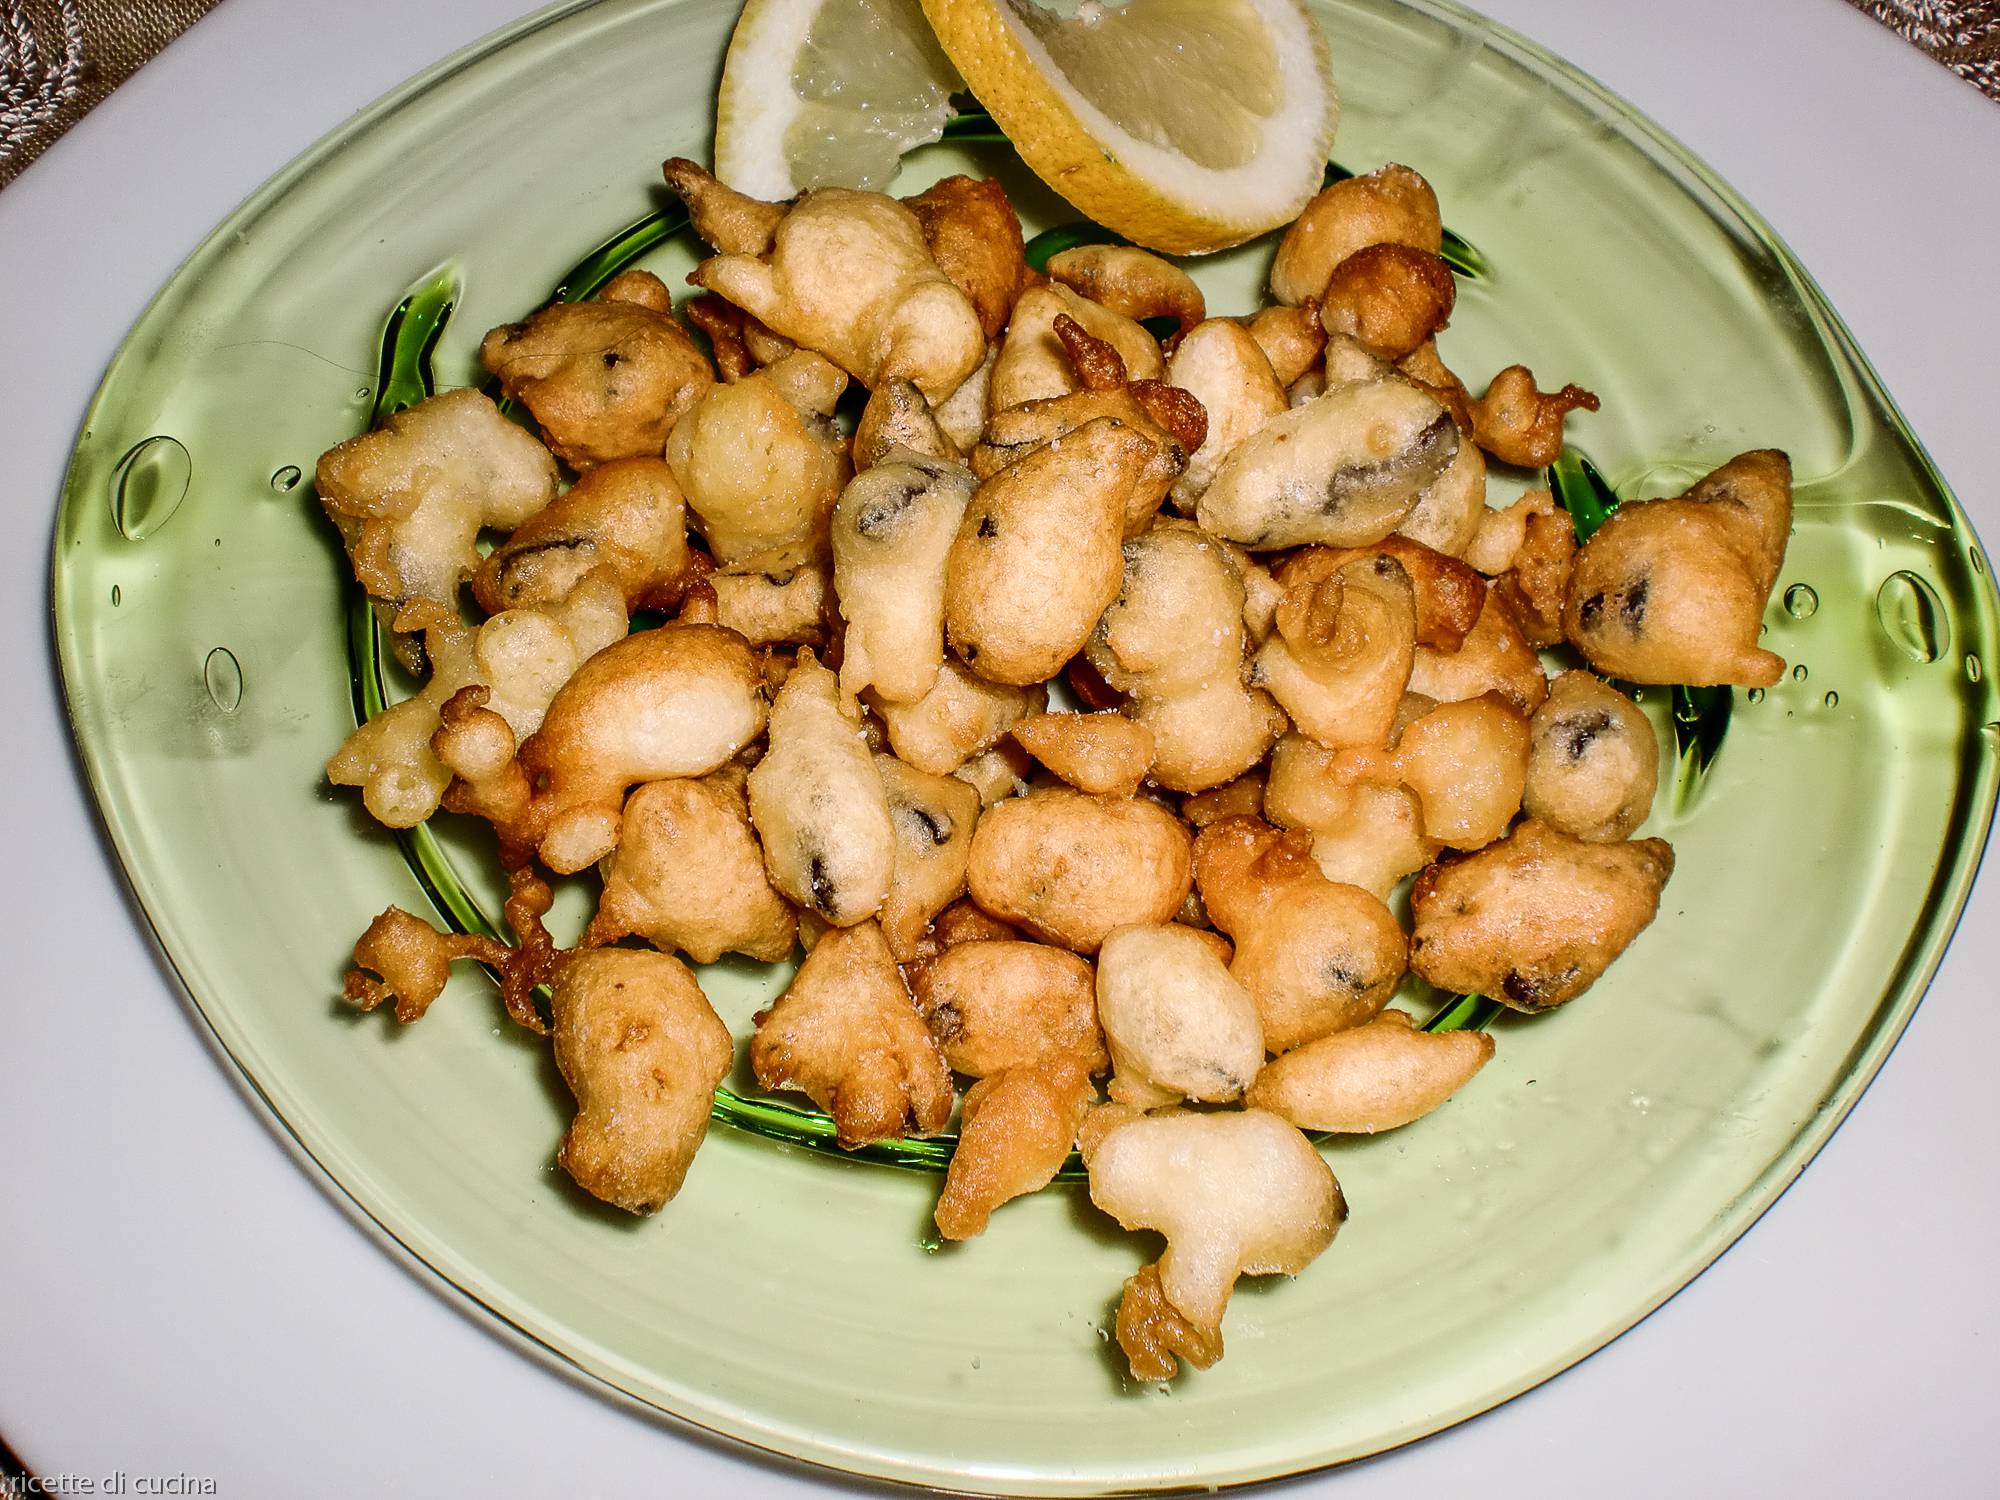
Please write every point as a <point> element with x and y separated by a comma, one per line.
<point>148,486</point>
<point>1913,616</point>
<point>223,678</point>
<point>1756,695</point>
<point>1801,602</point>
<point>1799,672</point>
<point>1973,670</point>
<point>286,478</point>
<point>362,393</point>
<point>930,1244</point>
<point>1833,700</point>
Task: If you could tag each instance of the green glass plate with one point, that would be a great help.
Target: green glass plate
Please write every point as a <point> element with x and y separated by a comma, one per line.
<point>786,1299</point>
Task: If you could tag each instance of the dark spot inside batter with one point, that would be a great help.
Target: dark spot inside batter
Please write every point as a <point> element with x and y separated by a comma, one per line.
<point>1577,733</point>
<point>988,529</point>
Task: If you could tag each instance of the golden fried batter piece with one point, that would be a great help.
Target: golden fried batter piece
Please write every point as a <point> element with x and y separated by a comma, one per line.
<point>688,874</point>
<point>1467,763</point>
<point>1593,761</point>
<point>1316,957</point>
<point>411,497</point>
<point>845,1034</point>
<point>1238,1193</point>
<point>1102,753</point>
<point>1424,365</point>
<point>628,516</point>
<point>1391,298</point>
<point>1390,206</point>
<point>1451,508</point>
<point>960,922</point>
<point>1341,655</point>
<point>1014,1134</point>
<point>1243,795</point>
<point>1222,364</point>
<point>893,528</point>
<point>1292,339</point>
<point>1033,365</point>
<point>962,716</point>
<point>761,464</point>
<point>933,818</point>
<point>1132,282</point>
<point>1070,867</point>
<point>974,235</point>
<point>1174,643</point>
<point>1363,833</point>
<point>998,773</point>
<point>722,323</point>
<point>1177,1025</point>
<point>390,756</point>
<point>1519,423</point>
<point>676,701</point>
<point>999,1003</point>
<point>403,958</point>
<point>1344,469</point>
<point>1448,594</point>
<point>1675,590</point>
<point>1375,1077</point>
<point>898,416</point>
<point>1536,583</point>
<point>776,605</point>
<point>818,802</point>
<point>849,275</point>
<point>1036,559</point>
<point>1533,920</point>
<point>961,416</point>
<point>642,1050</point>
<point>606,378</point>
<point>732,222</point>
<point>1495,657</point>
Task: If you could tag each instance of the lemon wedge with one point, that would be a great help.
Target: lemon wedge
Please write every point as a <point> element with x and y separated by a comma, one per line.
<point>827,93</point>
<point>1185,125</point>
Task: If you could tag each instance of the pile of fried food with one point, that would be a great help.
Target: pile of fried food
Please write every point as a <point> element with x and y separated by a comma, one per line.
<point>1258,551</point>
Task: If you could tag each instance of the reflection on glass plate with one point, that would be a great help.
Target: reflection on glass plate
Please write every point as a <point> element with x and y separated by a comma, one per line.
<point>787,1298</point>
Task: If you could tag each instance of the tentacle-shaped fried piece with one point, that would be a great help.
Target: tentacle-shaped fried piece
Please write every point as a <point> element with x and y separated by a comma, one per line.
<point>1519,423</point>
<point>1392,298</point>
<point>1593,761</point>
<point>732,222</point>
<point>642,1050</point>
<point>1014,1134</point>
<point>627,515</point>
<point>1235,1194</point>
<point>1375,1077</point>
<point>403,958</point>
<point>1341,656</point>
<point>1392,205</point>
<point>1133,282</point>
<point>995,1003</point>
<point>1536,918</point>
<point>974,235</point>
<point>845,1034</point>
<point>1153,1335</point>
<point>722,322</point>
<point>1032,364</point>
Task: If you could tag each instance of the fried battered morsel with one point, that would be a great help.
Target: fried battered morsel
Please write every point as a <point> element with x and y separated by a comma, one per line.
<point>1495,657</point>
<point>390,756</point>
<point>848,275</point>
<point>1344,469</point>
<point>961,922</point>
<point>1033,364</point>
<point>1449,510</point>
<point>403,958</point>
<point>723,323</point>
<point>1375,1077</point>
<point>1390,206</point>
<point>1448,595</point>
<point>627,516</point>
<point>1227,370</point>
<point>1036,560</point>
<point>782,606</point>
<point>761,464</point>
<point>974,235</point>
<point>1520,424</point>
<point>606,378</point>
<point>1424,365</point>
<point>994,1004</point>
<point>1364,833</point>
<point>688,874</point>
<point>818,802</point>
<point>933,818</point>
<point>1674,590</point>
<point>1346,361</point>
<point>1102,753</point>
<point>1014,1134</point>
<point>961,416</point>
<point>1391,298</point>
<point>845,1034</point>
<point>1292,339</point>
<point>898,416</point>
<point>1177,1025</point>
<point>676,701</point>
<point>1243,795</point>
<point>1070,867</point>
<point>998,773</point>
<point>1533,920</point>
<point>1316,957</point>
<point>1503,532</point>
<point>732,222</point>
<point>640,1047</point>
<point>1467,763</point>
<point>1235,1194</point>
<point>1133,282</point>
<point>960,717</point>
<point>1174,642</point>
<point>1593,761</point>
<point>411,497</point>
<point>1341,656</point>
<point>892,530</point>
<point>1537,578</point>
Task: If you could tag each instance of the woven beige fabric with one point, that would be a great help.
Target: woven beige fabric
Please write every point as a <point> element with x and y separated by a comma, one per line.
<point>1964,35</point>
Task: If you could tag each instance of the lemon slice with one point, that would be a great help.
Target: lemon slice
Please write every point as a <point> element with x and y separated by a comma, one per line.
<point>1185,125</point>
<point>827,93</point>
